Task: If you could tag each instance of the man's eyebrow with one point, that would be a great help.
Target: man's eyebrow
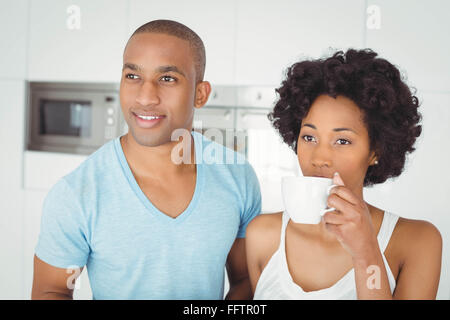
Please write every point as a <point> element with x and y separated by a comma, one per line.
<point>161,69</point>
<point>335,129</point>
<point>170,68</point>
<point>131,66</point>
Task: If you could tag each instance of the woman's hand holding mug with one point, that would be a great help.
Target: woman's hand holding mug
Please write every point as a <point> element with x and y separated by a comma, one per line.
<point>350,221</point>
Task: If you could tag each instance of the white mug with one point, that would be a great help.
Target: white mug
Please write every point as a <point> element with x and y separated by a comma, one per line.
<point>305,198</point>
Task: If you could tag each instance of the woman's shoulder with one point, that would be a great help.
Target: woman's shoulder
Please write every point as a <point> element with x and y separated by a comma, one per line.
<point>263,233</point>
<point>413,236</point>
<point>265,223</point>
<point>419,230</point>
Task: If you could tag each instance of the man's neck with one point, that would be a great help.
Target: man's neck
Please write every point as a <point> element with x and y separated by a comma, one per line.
<point>153,162</point>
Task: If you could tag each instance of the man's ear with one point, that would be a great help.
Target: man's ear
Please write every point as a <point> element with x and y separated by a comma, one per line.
<point>202,91</point>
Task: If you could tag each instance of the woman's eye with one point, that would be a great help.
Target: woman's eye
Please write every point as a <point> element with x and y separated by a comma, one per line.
<point>168,79</point>
<point>309,138</point>
<point>343,141</point>
<point>131,76</point>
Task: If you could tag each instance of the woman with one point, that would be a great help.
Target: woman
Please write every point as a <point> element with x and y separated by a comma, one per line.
<point>351,118</point>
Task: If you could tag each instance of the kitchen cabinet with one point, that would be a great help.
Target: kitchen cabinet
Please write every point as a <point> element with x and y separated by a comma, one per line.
<point>77,40</point>
<point>14,32</point>
<point>12,106</point>
<point>213,21</point>
<point>413,35</point>
<point>11,250</point>
<point>271,35</point>
<point>41,170</point>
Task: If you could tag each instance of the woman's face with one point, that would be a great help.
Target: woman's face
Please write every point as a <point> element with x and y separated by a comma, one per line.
<point>333,138</point>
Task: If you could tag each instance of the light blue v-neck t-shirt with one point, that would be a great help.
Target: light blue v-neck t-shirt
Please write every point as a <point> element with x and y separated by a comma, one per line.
<point>97,216</point>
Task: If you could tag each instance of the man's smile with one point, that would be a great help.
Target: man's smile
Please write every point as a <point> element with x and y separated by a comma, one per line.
<point>147,121</point>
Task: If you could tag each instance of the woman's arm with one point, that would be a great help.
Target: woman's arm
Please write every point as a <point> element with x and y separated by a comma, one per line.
<point>252,247</point>
<point>371,278</point>
<point>420,273</point>
<point>351,223</point>
<point>418,242</point>
<point>261,241</point>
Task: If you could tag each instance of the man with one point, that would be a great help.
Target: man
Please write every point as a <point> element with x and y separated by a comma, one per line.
<point>145,225</point>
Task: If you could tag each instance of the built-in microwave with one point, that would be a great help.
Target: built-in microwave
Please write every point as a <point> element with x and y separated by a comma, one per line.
<point>73,117</point>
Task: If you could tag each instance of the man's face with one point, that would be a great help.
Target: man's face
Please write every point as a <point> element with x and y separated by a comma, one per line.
<point>157,87</point>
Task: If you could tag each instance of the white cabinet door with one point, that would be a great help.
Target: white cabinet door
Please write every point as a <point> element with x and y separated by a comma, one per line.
<point>13,32</point>
<point>414,35</point>
<point>78,40</point>
<point>213,21</point>
<point>271,35</point>
<point>32,211</point>
<point>12,106</point>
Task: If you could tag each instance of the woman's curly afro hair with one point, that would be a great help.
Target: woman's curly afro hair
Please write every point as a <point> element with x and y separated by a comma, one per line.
<point>376,87</point>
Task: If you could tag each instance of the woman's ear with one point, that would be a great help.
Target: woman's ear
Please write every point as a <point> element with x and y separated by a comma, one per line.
<point>202,91</point>
<point>373,159</point>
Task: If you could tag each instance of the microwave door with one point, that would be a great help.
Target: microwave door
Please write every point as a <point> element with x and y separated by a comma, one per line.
<point>69,120</point>
<point>65,118</point>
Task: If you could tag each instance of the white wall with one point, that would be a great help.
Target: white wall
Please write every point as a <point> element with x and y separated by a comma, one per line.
<point>248,43</point>
<point>413,35</point>
<point>421,191</point>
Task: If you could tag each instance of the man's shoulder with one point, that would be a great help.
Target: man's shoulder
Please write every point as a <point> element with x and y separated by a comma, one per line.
<point>94,168</point>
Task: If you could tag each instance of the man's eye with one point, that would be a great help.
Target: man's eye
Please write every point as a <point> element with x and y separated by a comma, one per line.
<point>168,79</point>
<point>343,141</point>
<point>131,76</point>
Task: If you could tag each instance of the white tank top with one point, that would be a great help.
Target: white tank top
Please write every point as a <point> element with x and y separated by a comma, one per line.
<point>276,283</point>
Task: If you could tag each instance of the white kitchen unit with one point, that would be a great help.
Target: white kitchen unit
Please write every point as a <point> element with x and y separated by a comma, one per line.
<point>422,190</point>
<point>412,35</point>
<point>213,21</point>
<point>271,35</point>
<point>13,32</point>
<point>78,40</point>
<point>12,106</point>
<point>43,169</point>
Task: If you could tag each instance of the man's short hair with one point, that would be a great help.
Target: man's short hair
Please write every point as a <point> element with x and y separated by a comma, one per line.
<point>180,31</point>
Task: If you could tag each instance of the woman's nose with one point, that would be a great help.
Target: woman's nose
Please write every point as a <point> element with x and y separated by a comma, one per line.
<point>321,157</point>
<point>148,95</point>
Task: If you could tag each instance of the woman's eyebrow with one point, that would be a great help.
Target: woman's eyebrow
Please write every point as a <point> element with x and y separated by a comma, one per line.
<point>335,129</point>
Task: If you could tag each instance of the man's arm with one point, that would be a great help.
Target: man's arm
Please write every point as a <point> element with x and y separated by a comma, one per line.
<point>51,283</point>
<point>237,272</point>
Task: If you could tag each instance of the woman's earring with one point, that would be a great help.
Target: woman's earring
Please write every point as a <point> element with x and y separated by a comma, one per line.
<point>376,162</point>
